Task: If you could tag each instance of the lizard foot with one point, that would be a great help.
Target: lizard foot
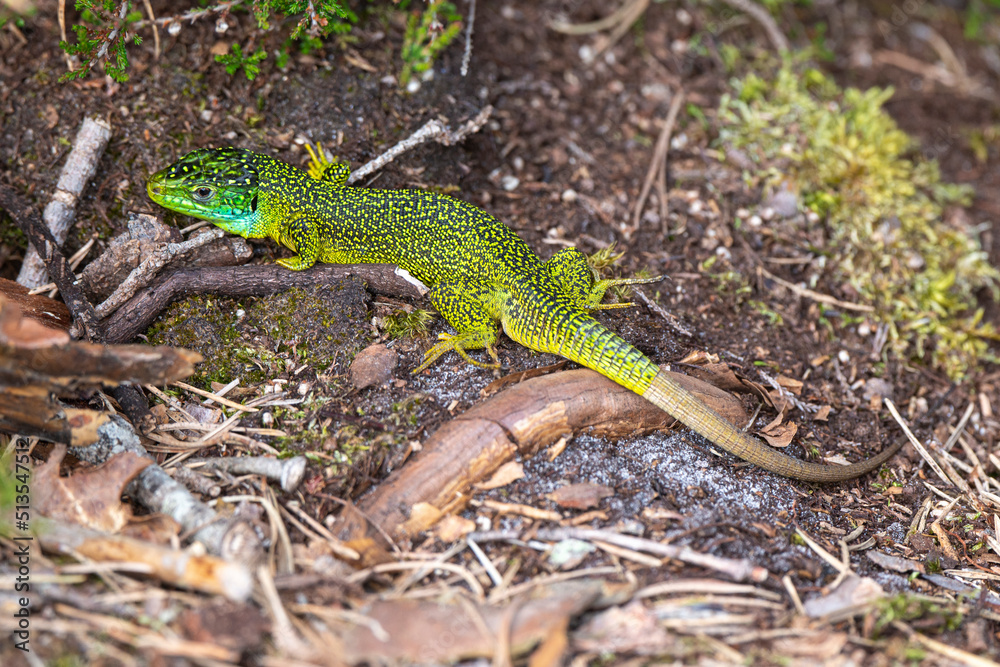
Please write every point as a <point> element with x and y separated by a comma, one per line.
<point>458,343</point>
<point>318,162</point>
<point>601,286</point>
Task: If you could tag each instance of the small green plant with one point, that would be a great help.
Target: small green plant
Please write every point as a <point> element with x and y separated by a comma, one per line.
<point>908,607</point>
<point>604,259</point>
<point>107,26</point>
<point>426,36</point>
<point>882,203</point>
<point>402,324</point>
<point>236,60</point>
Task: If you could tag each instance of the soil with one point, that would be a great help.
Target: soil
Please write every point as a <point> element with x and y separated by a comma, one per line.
<point>578,139</point>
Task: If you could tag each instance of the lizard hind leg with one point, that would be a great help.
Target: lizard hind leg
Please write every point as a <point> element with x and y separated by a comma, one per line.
<point>463,305</point>
<point>569,268</point>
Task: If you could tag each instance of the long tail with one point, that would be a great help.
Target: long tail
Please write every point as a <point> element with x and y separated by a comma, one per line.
<point>590,344</point>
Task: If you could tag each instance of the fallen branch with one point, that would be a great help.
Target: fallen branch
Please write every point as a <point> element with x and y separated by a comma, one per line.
<point>520,420</point>
<point>738,569</point>
<point>150,266</point>
<point>208,574</point>
<point>60,212</point>
<point>432,130</point>
<point>760,14</point>
<point>231,538</point>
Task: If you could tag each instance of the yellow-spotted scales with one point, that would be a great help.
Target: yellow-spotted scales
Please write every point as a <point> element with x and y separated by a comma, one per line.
<point>479,273</point>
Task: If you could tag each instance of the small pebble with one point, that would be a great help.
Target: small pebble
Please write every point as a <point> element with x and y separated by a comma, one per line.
<point>843,356</point>
<point>569,195</point>
<point>510,183</point>
<point>174,29</point>
<point>755,221</point>
<point>767,213</point>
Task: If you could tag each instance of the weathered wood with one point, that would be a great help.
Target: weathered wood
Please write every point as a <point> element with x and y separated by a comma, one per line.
<point>520,420</point>
<point>36,306</point>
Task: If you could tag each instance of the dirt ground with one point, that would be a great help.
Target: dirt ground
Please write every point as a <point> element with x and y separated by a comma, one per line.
<point>562,161</point>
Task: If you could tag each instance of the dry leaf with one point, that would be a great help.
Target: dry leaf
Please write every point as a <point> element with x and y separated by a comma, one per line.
<point>854,592</point>
<point>403,631</point>
<point>91,498</point>
<point>791,384</point>
<point>629,629</point>
<point>505,474</point>
<point>821,646</point>
<point>452,528</point>
<point>823,414</point>
<point>779,435</point>
<point>580,496</point>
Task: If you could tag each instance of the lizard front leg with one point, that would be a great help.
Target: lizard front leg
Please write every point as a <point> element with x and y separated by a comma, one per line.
<point>464,306</point>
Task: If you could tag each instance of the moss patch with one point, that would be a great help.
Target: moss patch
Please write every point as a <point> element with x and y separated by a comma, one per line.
<point>882,205</point>
<point>259,339</point>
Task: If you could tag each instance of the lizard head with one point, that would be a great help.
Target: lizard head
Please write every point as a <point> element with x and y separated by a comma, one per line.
<point>216,184</point>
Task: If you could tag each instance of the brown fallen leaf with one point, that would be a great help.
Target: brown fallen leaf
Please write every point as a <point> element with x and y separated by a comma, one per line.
<point>895,563</point>
<point>823,414</point>
<point>629,629</point>
<point>580,496</point>
<point>452,528</point>
<point>791,384</point>
<point>91,498</point>
<point>425,631</point>
<point>505,474</point>
<point>854,593</point>
<point>778,434</point>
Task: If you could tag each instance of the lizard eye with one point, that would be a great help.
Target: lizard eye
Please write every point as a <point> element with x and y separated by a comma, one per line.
<point>203,193</point>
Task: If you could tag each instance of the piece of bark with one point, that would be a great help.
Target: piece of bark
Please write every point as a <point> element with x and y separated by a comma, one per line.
<point>146,235</point>
<point>60,212</point>
<point>37,363</point>
<point>520,420</point>
<point>34,411</point>
<point>126,251</point>
<point>49,312</point>
<point>255,280</point>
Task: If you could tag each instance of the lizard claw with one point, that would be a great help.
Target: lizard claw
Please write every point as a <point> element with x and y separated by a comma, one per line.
<point>448,342</point>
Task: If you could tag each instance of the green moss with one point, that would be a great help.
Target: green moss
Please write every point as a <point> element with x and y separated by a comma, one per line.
<point>403,323</point>
<point>882,205</point>
<point>259,339</point>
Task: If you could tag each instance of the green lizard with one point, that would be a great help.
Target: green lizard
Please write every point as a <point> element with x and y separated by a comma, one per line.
<point>478,270</point>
